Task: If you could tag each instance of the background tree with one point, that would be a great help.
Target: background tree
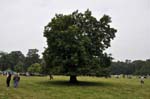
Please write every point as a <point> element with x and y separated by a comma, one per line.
<point>9,60</point>
<point>35,68</point>
<point>31,58</point>
<point>19,67</point>
<point>2,53</point>
<point>137,67</point>
<point>76,43</point>
<point>15,60</point>
<point>4,61</point>
<point>15,57</point>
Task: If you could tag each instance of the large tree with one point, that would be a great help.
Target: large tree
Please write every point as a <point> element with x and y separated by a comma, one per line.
<point>76,44</point>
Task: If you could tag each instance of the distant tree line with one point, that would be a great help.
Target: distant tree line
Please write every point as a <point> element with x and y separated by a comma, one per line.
<point>18,62</point>
<point>137,67</point>
<point>32,63</point>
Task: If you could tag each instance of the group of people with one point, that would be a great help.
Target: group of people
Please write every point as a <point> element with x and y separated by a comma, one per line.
<point>16,80</point>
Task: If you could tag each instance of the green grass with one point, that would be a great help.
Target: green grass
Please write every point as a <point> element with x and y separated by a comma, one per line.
<point>87,88</point>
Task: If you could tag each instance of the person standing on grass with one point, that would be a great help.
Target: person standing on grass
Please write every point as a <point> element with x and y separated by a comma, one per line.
<point>8,79</point>
<point>50,76</point>
<point>16,80</point>
<point>142,80</point>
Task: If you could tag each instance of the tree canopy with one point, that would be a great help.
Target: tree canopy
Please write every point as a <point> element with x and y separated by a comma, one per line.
<point>35,68</point>
<point>17,61</point>
<point>32,57</point>
<point>76,43</point>
<point>137,67</point>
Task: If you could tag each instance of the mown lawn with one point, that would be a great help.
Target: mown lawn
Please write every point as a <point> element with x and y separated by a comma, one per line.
<point>87,88</point>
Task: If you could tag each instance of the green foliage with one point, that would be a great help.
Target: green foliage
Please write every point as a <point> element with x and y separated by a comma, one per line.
<point>15,60</point>
<point>76,43</point>
<point>19,67</point>
<point>137,67</point>
<point>32,57</point>
<point>4,61</point>
<point>35,68</point>
<point>9,60</point>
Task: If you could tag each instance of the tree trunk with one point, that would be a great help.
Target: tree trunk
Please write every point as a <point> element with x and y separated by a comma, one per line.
<point>73,79</point>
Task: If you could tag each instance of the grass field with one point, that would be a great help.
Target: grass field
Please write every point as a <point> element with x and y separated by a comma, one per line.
<point>87,88</point>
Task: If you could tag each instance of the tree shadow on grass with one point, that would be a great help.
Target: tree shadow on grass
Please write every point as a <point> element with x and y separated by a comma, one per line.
<point>79,83</point>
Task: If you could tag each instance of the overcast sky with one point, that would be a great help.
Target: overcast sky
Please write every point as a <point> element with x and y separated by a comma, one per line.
<point>22,23</point>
